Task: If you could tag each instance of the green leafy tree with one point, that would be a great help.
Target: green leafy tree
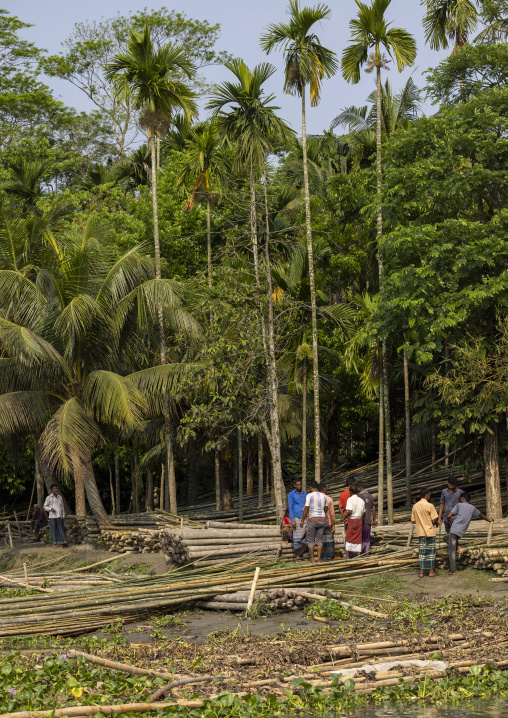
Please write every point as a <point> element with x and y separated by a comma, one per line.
<point>308,63</point>
<point>370,31</point>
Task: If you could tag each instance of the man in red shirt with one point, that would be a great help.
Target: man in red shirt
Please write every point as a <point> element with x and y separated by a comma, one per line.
<point>344,496</point>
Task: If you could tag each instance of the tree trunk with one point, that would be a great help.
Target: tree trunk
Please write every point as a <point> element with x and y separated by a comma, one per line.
<point>155,209</point>
<point>192,486</point>
<point>79,489</point>
<point>492,479</point>
<point>209,239</point>
<point>39,484</point>
<point>250,473</point>
<point>92,493</point>
<point>135,484</point>
<point>304,426</point>
<point>162,494</point>
<point>218,499</point>
<point>277,483</point>
<point>149,490</point>
<point>407,407</point>
<point>225,483</point>
<point>111,490</point>
<point>381,459</point>
<point>260,469</point>
<point>312,285</point>
<point>388,439</point>
<point>240,476</point>
<point>117,482</point>
<point>253,227</point>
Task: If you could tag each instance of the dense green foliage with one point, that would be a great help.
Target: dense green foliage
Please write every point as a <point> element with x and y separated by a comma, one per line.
<point>107,370</point>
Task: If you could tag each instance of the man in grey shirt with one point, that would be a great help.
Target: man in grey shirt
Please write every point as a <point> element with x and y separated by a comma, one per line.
<point>459,519</point>
<point>449,499</point>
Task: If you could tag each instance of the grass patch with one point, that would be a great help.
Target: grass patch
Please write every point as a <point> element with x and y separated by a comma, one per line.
<point>6,561</point>
<point>474,580</point>
<point>390,582</point>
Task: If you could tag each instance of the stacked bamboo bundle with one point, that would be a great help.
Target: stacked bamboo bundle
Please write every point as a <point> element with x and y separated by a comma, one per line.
<point>486,558</point>
<point>79,611</point>
<point>139,540</point>
<point>217,541</point>
<point>276,599</point>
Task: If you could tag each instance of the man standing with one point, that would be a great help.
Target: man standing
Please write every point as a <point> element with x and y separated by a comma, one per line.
<point>316,509</point>
<point>458,520</point>
<point>344,496</point>
<point>328,553</point>
<point>355,509</point>
<point>55,508</point>
<point>450,497</point>
<point>369,517</point>
<point>296,504</point>
<point>425,517</point>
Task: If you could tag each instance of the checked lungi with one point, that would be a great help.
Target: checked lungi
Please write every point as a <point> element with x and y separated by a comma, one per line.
<point>427,553</point>
<point>328,551</point>
<point>299,537</point>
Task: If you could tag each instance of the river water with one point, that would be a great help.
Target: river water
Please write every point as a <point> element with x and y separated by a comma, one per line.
<point>473,709</point>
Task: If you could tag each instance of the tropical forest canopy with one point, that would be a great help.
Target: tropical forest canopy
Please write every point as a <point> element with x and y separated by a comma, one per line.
<point>175,285</point>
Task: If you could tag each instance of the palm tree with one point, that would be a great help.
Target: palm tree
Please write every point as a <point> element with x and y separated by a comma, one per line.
<point>495,17</point>
<point>25,182</point>
<point>205,166</point>
<point>307,64</point>
<point>371,32</point>
<point>152,78</point>
<point>449,20</point>
<point>246,119</point>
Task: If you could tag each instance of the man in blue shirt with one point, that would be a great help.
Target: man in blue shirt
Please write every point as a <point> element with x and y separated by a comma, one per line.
<point>296,504</point>
<point>450,497</point>
<point>459,519</point>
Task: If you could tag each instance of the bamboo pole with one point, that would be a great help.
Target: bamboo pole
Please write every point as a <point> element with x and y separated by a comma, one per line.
<point>253,589</point>
<point>10,534</point>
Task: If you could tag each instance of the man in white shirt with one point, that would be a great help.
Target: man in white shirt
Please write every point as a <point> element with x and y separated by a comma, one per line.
<point>355,509</point>
<point>56,513</point>
<point>316,508</point>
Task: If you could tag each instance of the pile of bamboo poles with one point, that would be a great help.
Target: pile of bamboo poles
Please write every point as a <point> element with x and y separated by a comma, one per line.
<point>83,610</point>
<point>210,545</point>
<point>486,558</point>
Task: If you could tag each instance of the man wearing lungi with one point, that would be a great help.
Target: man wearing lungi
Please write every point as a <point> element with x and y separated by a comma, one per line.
<point>315,508</point>
<point>369,517</point>
<point>355,509</point>
<point>296,503</point>
<point>425,518</point>
<point>328,553</point>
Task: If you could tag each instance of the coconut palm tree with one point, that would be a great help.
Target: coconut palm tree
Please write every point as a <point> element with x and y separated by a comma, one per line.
<point>370,32</point>
<point>205,167</point>
<point>495,17</point>
<point>308,63</point>
<point>61,337</point>
<point>25,182</point>
<point>246,119</point>
<point>449,21</point>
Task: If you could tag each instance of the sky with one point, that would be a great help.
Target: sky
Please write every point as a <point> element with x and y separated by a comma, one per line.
<point>242,22</point>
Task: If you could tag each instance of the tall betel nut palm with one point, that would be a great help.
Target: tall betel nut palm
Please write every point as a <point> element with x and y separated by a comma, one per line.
<point>371,33</point>
<point>308,63</point>
<point>245,118</point>
<point>152,77</point>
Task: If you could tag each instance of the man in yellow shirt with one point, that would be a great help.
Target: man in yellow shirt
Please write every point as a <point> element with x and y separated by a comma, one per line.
<point>425,517</point>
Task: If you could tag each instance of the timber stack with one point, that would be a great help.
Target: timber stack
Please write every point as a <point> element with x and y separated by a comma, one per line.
<point>219,541</point>
<point>140,540</point>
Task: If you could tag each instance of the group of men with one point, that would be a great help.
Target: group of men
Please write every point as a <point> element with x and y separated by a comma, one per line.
<point>55,511</point>
<point>458,513</point>
<point>312,517</point>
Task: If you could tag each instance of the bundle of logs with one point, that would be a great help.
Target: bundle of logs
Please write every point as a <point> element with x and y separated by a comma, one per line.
<point>485,559</point>
<point>140,540</point>
<point>276,599</point>
<point>218,542</point>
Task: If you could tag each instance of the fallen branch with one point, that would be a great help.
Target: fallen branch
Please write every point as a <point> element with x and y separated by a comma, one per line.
<point>184,682</point>
<point>124,667</point>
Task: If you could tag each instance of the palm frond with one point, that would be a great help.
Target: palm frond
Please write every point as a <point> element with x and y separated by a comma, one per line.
<point>113,399</point>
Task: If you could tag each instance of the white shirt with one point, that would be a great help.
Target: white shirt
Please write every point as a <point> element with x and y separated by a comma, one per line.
<point>54,502</point>
<point>356,505</point>
<point>316,501</point>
